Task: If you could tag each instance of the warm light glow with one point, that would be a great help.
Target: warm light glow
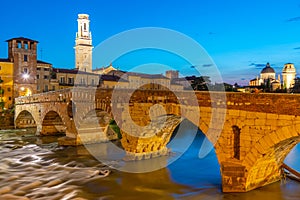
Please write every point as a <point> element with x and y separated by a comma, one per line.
<point>22,89</point>
<point>25,76</point>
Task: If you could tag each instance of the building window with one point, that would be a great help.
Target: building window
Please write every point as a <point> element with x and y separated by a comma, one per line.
<point>93,82</point>
<point>46,69</point>
<point>25,70</point>
<point>9,98</point>
<point>31,45</point>
<point>19,45</point>
<point>38,69</point>
<point>26,45</point>
<point>53,87</point>
<point>0,67</point>
<point>62,79</point>
<point>71,81</point>
<point>25,58</point>
<point>46,88</point>
<point>46,77</point>
<point>38,76</point>
<point>38,88</point>
<point>8,89</point>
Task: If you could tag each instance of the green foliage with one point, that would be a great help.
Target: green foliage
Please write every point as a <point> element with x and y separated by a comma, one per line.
<point>1,91</point>
<point>113,125</point>
<point>2,103</point>
<point>296,86</point>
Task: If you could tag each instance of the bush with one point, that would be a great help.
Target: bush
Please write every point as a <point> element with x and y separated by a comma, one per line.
<point>113,125</point>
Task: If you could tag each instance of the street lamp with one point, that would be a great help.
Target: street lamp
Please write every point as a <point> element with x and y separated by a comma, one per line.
<point>25,76</point>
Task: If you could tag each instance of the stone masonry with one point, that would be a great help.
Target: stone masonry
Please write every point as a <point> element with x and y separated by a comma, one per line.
<point>251,133</point>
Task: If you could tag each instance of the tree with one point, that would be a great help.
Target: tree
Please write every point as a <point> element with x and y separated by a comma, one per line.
<point>296,86</point>
<point>201,83</point>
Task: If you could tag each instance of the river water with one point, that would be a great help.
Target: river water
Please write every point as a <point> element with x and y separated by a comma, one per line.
<point>37,168</point>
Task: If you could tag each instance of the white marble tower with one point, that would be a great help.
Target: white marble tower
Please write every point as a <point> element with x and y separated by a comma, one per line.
<point>83,44</point>
<point>288,75</point>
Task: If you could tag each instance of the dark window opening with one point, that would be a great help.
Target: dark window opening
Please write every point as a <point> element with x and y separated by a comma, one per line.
<point>25,58</point>
<point>236,141</point>
<point>31,45</point>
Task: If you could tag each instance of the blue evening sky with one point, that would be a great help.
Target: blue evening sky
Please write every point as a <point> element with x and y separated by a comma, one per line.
<point>238,35</point>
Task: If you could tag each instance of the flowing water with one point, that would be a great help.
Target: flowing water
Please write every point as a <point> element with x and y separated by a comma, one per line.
<point>37,168</point>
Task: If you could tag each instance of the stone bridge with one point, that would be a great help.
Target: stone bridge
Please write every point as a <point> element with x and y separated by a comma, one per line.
<point>251,133</point>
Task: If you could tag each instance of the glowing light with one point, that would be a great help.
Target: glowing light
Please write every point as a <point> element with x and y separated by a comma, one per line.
<point>22,88</point>
<point>25,76</point>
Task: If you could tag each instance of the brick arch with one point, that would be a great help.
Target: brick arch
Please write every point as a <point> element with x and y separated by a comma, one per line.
<point>264,161</point>
<point>53,123</point>
<point>61,113</point>
<point>33,116</point>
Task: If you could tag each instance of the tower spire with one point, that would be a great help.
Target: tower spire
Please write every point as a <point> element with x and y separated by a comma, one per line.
<point>83,44</point>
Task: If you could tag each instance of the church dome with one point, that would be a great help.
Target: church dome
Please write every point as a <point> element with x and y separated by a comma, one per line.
<point>289,68</point>
<point>267,69</point>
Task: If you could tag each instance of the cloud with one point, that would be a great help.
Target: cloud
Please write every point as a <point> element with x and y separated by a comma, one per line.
<point>258,65</point>
<point>294,19</point>
<point>207,65</point>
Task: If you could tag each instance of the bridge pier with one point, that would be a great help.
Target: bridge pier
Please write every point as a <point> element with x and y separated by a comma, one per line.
<point>149,141</point>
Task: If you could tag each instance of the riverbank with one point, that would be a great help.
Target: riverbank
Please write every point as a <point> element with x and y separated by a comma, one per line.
<point>6,120</point>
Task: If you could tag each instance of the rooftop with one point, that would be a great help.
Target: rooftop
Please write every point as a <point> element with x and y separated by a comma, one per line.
<point>21,38</point>
<point>4,60</point>
<point>43,62</point>
<point>71,71</point>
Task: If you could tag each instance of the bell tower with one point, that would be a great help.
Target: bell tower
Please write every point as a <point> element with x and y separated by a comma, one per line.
<point>83,44</point>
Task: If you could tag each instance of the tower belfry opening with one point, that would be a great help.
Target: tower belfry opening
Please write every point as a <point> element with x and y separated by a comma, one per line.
<point>83,44</point>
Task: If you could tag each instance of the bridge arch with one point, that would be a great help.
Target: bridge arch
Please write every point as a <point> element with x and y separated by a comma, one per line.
<point>266,157</point>
<point>25,119</point>
<point>53,124</point>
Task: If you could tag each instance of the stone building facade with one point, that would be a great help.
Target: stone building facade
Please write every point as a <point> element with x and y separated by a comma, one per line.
<point>22,52</point>
<point>83,44</point>
<point>43,76</point>
<point>6,83</point>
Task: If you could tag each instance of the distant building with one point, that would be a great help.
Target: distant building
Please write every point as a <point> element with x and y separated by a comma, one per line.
<point>267,79</point>
<point>66,78</point>
<point>134,80</point>
<point>171,74</point>
<point>83,44</point>
<point>22,52</point>
<point>6,83</point>
<point>288,75</point>
<point>104,70</point>
<point>111,81</point>
<point>43,77</point>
